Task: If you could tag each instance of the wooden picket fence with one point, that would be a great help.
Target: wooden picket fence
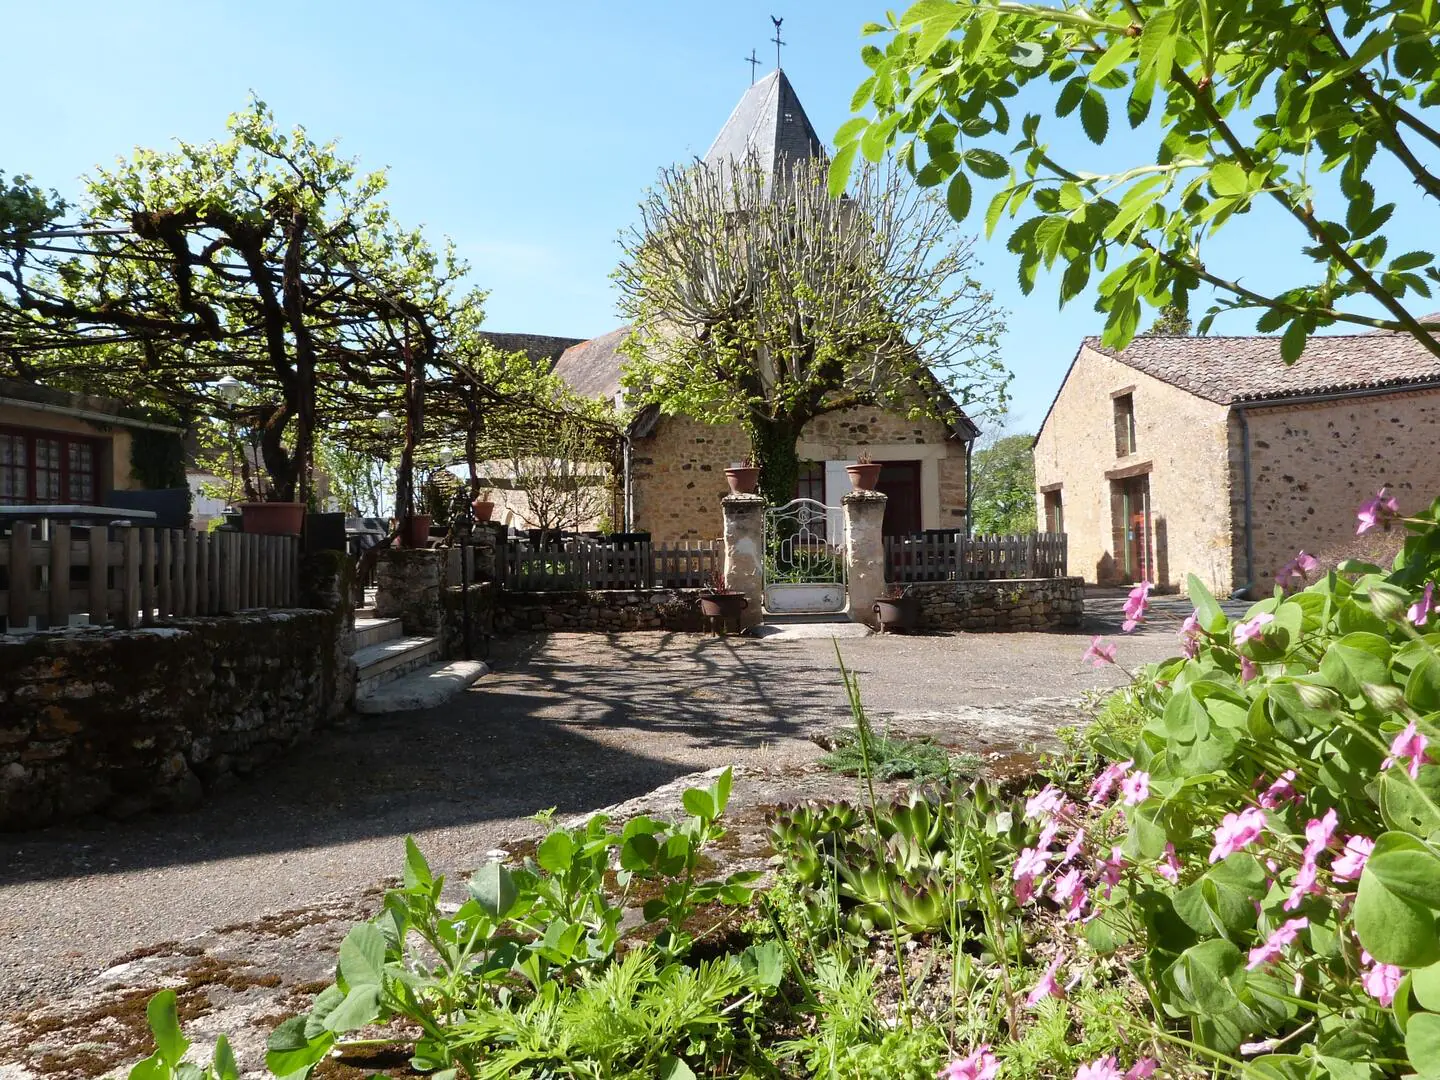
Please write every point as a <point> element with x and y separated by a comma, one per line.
<point>643,565</point>
<point>135,576</point>
<point>947,556</point>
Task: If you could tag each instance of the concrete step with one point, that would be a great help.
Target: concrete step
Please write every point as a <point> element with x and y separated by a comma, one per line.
<point>387,661</point>
<point>372,631</point>
<point>423,689</point>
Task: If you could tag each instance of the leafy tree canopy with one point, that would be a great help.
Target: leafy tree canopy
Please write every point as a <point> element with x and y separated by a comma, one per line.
<point>1002,476</point>
<point>1287,104</point>
<point>768,301</point>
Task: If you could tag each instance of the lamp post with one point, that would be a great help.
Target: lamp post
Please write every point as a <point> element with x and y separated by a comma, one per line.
<point>230,388</point>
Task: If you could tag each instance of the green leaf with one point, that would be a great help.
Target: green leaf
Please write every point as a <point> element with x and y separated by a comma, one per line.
<point>165,1026</point>
<point>360,1007</point>
<point>850,130</point>
<point>1411,260</point>
<point>1422,1043</point>
<point>699,803</point>
<point>1208,612</point>
<point>556,852</point>
<point>1426,984</point>
<point>839,174</point>
<point>764,963</point>
<point>1207,977</point>
<point>325,1003</point>
<point>1407,867</point>
<point>957,196</point>
<point>288,1050</point>
<point>673,1068</point>
<point>995,211</point>
<point>1406,809</point>
<point>1111,58</point>
<point>1356,661</point>
<point>417,870</point>
<point>1228,179</point>
<point>1393,929</point>
<point>224,1064</point>
<point>493,889</point>
<point>1094,116</point>
<point>723,783</point>
<point>987,163</point>
<point>1026,54</point>
<point>362,957</point>
<point>152,1068</point>
<point>1292,343</point>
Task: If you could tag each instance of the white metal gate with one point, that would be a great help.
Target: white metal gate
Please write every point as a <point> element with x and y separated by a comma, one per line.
<point>804,563</point>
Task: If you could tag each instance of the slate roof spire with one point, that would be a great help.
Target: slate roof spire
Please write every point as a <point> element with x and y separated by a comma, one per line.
<point>769,122</point>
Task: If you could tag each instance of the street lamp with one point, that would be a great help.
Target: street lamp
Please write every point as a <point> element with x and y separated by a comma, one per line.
<point>229,388</point>
<point>386,419</point>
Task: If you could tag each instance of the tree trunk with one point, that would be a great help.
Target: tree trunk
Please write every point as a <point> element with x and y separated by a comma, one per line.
<point>772,445</point>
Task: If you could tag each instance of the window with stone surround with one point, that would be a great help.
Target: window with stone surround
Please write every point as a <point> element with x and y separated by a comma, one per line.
<point>1124,424</point>
<point>1054,512</point>
<point>810,483</point>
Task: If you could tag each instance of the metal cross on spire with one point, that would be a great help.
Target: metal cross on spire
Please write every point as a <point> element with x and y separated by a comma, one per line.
<point>754,62</point>
<point>776,40</point>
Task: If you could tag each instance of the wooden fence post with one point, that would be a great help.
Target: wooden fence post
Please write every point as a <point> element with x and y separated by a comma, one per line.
<point>130,578</point>
<point>59,613</point>
<point>99,574</point>
<point>20,575</point>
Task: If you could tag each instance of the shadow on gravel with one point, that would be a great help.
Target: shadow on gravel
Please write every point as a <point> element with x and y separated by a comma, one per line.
<point>525,738</point>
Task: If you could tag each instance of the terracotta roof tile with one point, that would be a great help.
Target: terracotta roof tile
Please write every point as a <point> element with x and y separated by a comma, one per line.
<point>592,368</point>
<point>1232,369</point>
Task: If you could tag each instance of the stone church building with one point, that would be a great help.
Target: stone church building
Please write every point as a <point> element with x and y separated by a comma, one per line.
<point>673,466</point>
<point>1209,455</point>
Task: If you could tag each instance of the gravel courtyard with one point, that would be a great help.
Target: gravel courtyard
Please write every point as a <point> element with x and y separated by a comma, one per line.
<point>570,721</point>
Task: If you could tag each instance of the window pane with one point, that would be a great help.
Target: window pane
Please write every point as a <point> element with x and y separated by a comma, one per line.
<point>12,470</point>
<point>47,470</point>
<point>82,472</point>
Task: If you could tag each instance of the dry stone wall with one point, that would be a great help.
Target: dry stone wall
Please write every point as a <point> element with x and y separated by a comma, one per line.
<point>603,610</point>
<point>121,721</point>
<point>1016,604</point>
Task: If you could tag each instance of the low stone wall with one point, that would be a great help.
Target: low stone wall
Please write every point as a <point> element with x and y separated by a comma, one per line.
<point>119,721</point>
<point>605,610</point>
<point>1018,604</point>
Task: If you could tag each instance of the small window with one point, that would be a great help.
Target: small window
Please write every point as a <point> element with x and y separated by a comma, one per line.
<point>810,484</point>
<point>1124,425</point>
<point>1054,512</point>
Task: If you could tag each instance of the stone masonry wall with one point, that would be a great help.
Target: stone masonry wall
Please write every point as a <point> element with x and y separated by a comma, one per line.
<point>1019,604</point>
<point>1312,465</point>
<point>678,473</point>
<point>119,721</point>
<point>607,610</point>
<point>1184,441</point>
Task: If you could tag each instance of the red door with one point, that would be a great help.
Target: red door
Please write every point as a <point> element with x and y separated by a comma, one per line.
<point>900,483</point>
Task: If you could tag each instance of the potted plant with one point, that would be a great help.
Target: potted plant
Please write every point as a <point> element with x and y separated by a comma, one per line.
<point>482,506</point>
<point>743,478</point>
<point>896,609</point>
<point>864,474</point>
<point>720,602</point>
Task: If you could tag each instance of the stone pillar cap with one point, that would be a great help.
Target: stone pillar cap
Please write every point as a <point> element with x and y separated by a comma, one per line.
<point>863,497</point>
<point>743,502</point>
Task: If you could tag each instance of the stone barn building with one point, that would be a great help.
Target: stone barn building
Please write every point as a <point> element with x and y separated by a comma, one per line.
<point>1209,455</point>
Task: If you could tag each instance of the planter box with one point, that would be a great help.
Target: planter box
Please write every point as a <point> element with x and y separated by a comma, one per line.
<point>805,599</point>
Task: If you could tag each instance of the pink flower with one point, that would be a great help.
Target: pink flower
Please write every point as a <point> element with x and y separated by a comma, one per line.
<point>1030,863</point>
<point>1047,986</point>
<point>1047,835</point>
<point>1077,904</point>
<point>1408,744</point>
<point>1351,861</point>
<point>981,1065</point>
<point>1135,788</point>
<point>1066,886</point>
<point>1248,670</point>
<point>1237,831</point>
<point>1262,1047</point>
<point>1073,848</point>
<point>1046,802</point>
<point>1135,606</point>
<point>1319,832</point>
<point>1380,980</point>
<point>1280,792</point>
<point>1294,572</point>
<point>1142,1069</point>
<point>1103,784</point>
<point>1304,884</point>
<point>1190,635</point>
<point>1420,611</point>
<point>1273,948</point>
<point>1376,511</point>
<point>1099,653</point>
<point>1100,1069</point>
<point>1169,867</point>
<point>1253,629</point>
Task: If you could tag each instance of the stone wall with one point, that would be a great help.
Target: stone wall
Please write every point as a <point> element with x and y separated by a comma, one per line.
<point>607,610</point>
<point>118,721</point>
<point>678,472</point>
<point>1019,604</point>
<point>408,588</point>
<point>1312,465</point>
<point>1181,444</point>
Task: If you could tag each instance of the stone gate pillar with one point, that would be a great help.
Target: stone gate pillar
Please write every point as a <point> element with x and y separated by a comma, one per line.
<point>408,581</point>
<point>864,553</point>
<point>745,552</point>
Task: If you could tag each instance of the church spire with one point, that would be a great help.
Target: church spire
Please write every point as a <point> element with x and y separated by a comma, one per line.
<point>770,123</point>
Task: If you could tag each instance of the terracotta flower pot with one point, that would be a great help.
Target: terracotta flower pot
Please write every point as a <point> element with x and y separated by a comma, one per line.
<point>482,508</point>
<point>415,531</point>
<point>723,605</point>
<point>743,479</point>
<point>864,477</point>
<point>272,518</point>
<point>897,612</point>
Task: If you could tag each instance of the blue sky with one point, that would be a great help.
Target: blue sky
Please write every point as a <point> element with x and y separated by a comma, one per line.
<point>526,133</point>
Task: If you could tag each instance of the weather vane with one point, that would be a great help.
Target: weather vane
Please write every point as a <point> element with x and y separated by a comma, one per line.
<point>776,40</point>
<point>754,62</point>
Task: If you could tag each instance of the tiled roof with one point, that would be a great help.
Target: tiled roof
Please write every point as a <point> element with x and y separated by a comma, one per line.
<point>770,123</point>
<point>1238,369</point>
<point>539,347</point>
<point>592,368</point>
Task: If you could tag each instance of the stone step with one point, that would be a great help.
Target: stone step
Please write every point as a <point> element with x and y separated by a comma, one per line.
<point>372,631</point>
<point>422,689</point>
<point>389,660</point>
